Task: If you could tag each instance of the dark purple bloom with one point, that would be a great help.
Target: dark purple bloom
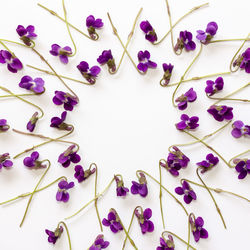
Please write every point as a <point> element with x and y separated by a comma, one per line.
<point>99,243</point>
<point>69,156</point>
<point>197,228</point>
<point>62,194</point>
<point>13,63</point>
<point>66,99</point>
<point>90,74</point>
<point>242,167</point>
<point>93,24</point>
<point>32,161</point>
<point>221,113</point>
<point>141,187</point>
<point>149,31</point>
<point>32,122</point>
<point>144,62</point>
<point>81,174</point>
<point>189,96</point>
<point>167,68</point>
<point>26,34</point>
<point>143,219</point>
<point>36,85</point>
<point>243,61</point>
<point>208,164</point>
<point>54,235</point>
<point>107,58</point>
<point>239,129</point>
<point>166,244</point>
<point>63,53</point>
<point>188,192</point>
<point>214,86</point>
<point>206,36</point>
<point>113,221</point>
<point>57,122</point>
<point>187,123</point>
<point>120,189</point>
<point>4,161</point>
<point>185,41</point>
<point>3,125</point>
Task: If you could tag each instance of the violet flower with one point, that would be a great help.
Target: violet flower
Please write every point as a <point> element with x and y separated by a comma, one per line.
<point>143,219</point>
<point>93,24</point>
<point>188,192</point>
<point>120,189</point>
<point>63,53</point>
<point>185,41</point>
<point>99,243</point>
<point>13,63</point>
<point>32,122</point>
<point>208,164</point>
<point>150,34</point>
<point>68,100</point>
<point>53,236</point>
<point>221,112</point>
<point>107,58</point>
<point>206,36</point>
<point>144,62</point>
<point>189,96</point>
<point>69,156</point>
<point>167,68</point>
<point>81,174</point>
<point>166,244</point>
<point>141,187</point>
<point>239,129</point>
<point>57,122</point>
<point>4,161</point>
<point>242,167</point>
<point>187,123</point>
<point>63,187</point>
<point>197,229</point>
<point>214,86</point>
<point>243,61</point>
<point>3,125</point>
<point>113,221</point>
<point>32,161</point>
<point>36,85</point>
<point>26,34</point>
<point>90,74</point>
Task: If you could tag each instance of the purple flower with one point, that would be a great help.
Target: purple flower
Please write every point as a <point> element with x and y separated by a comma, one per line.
<point>90,74</point>
<point>239,129</point>
<point>69,156</point>
<point>113,221</point>
<point>206,36</point>
<point>57,122</point>
<point>66,99</point>
<point>32,161</point>
<point>221,113</point>
<point>197,228</point>
<point>243,61</point>
<point>189,96</point>
<point>99,243</point>
<point>32,122</point>
<point>62,194</point>
<point>141,187</point>
<point>107,58</point>
<point>214,86</point>
<point>167,68</point>
<point>63,53</point>
<point>149,31</point>
<point>185,41</point>
<point>166,244</point>
<point>208,164</point>
<point>93,24</point>
<point>188,192</point>
<point>143,219</point>
<point>242,167</point>
<point>3,125</point>
<point>36,85</point>
<point>54,235</point>
<point>120,189</point>
<point>187,123</point>
<point>81,174</point>
<point>144,62</point>
<point>26,34</point>
<point>4,161</point>
<point>13,63</point>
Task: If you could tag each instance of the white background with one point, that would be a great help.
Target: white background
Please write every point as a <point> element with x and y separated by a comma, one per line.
<point>123,123</point>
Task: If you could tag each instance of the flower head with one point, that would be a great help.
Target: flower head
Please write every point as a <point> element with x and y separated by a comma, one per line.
<point>93,24</point>
<point>189,96</point>
<point>208,164</point>
<point>32,161</point>
<point>3,125</point>
<point>187,123</point>
<point>26,34</point>
<point>221,112</point>
<point>81,174</point>
<point>113,221</point>
<point>185,41</point>
<point>99,243</point>
<point>36,85</point>
<point>57,122</point>
<point>197,228</point>
<point>214,86</point>
<point>143,219</point>
<point>32,122</point>
<point>141,187</point>
<point>144,62</point>
<point>13,63</point>
<point>107,58</point>
<point>120,189</point>
<point>239,129</point>
<point>63,53</point>
<point>90,74</point>
<point>206,36</point>
<point>150,34</point>
<point>243,61</point>
<point>66,99</point>
<point>167,68</point>
<point>63,187</point>
<point>166,244</point>
<point>69,156</point>
<point>188,192</point>
<point>53,236</point>
<point>242,167</point>
<point>4,161</point>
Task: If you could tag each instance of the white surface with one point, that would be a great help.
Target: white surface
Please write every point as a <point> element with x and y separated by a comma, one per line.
<point>123,123</point>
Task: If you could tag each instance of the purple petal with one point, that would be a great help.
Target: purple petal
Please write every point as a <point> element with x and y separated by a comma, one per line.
<point>64,59</point>
<point>147,213</point>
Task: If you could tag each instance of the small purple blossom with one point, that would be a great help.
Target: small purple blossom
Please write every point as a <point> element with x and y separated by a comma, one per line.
<point>81,174</point>
<point>143,219</point>
<point>53,236</point>
<point>150,34</point>
<point>3,125</point>
<point>185,41</point>
<point>197,228</point>
<point>4,161</point>
<point>32,161</point>
<point>221,112</point>
<point>99,243</point>
<point>13,63</point>
<point>187,123</point>
<point>188,192</point>
<point>36,85</point>
<point>214,86</point>
<point>141,187</point>
<point>63,187</point>
<point>26,34</point>
<point>63,53</point>
<point>166,244</point>
<point>57,122</point>
<point>93,24</point>
<point>120,189</point>
<point>239,129</point>
<point>167,68</point>
<point>242,167</point>
<point>107,58</point>
<point>208,164</point>
<point>189,96</point>
<point>32,122</point>
<point>113,221</point>
<point>69,156</point>
<point>243,61</point>
<point>206,36</point>
<point>90,74</point>
<point>144,62</point>
<point>68,100</point>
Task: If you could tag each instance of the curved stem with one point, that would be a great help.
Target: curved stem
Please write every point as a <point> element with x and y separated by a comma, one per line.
<point>32,194</point>
<point>182,77</point>
<point>245,152</point>
<point>7,48</point>
<point>21,44</point>
<point>217,208</point>
<point>229,40</point>
<point>160,197</point>
<point>67,231</point>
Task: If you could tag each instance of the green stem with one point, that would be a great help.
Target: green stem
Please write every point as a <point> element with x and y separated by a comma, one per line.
<point>67,231</point>
<point>32,194</point>
<point>160,197</point>
<point>189,231</point>
<point>229,40</point>
<point>30,94</point>
<point>7,48</point>
<point>245,152</point>
<point>21,44</point>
